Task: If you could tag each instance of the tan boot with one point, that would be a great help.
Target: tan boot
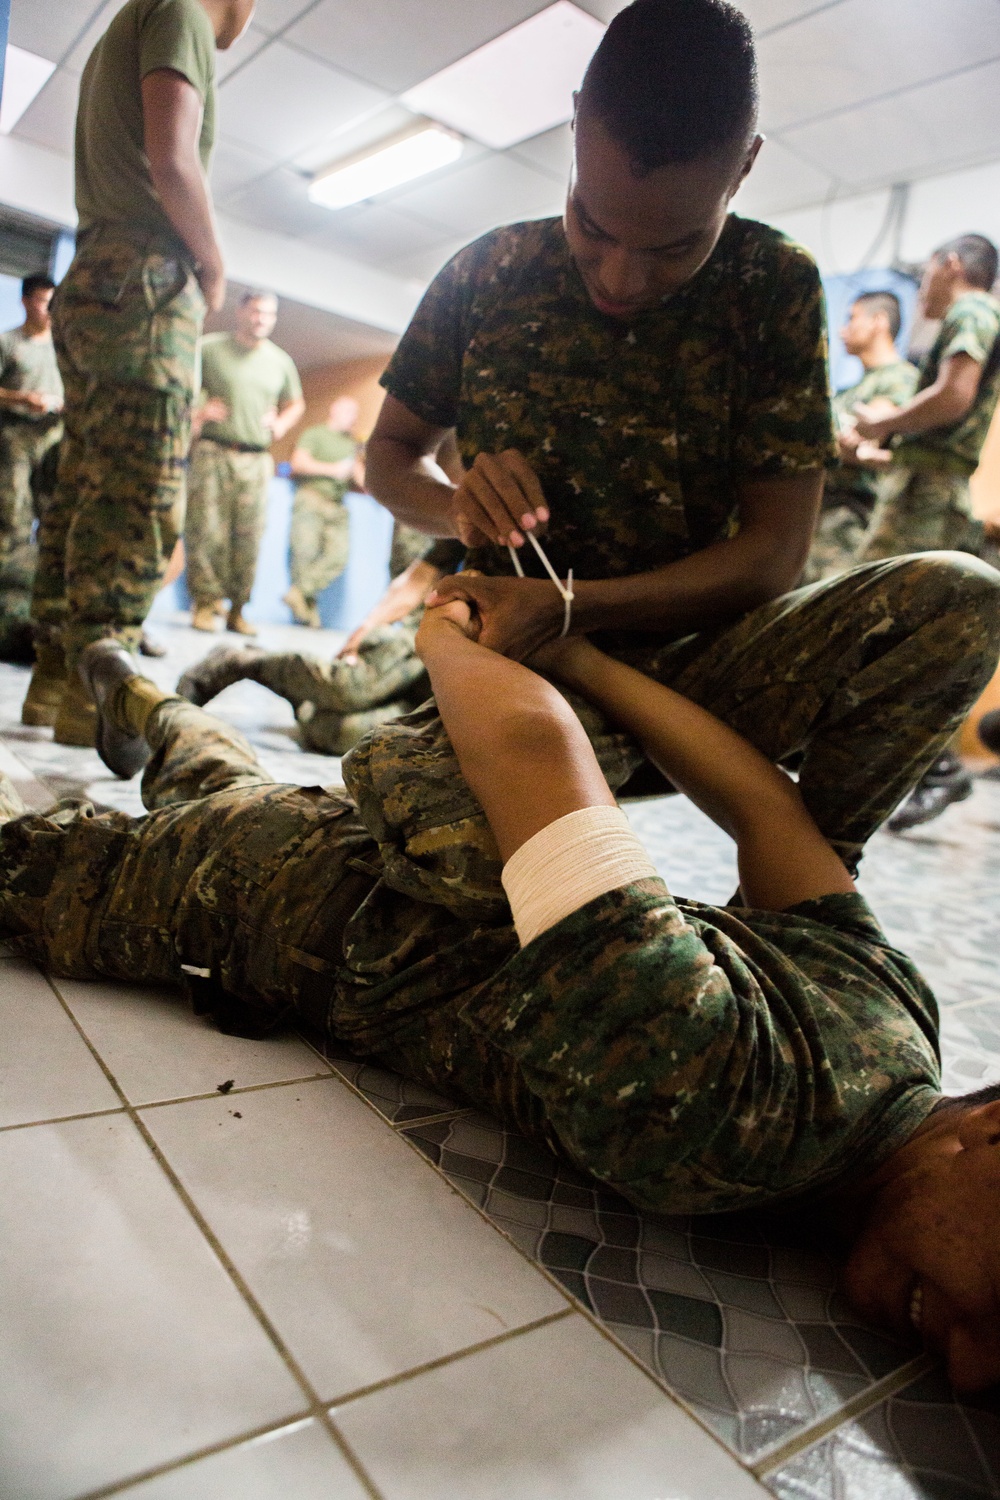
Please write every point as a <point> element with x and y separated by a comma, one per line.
<point>303,609</point>
<point>76,721</point>
<point>47,685</point>
<point>204,617</point>
<point>238,624</point>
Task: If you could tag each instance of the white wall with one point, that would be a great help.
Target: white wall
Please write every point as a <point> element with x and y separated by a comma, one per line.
<point>839,233</point>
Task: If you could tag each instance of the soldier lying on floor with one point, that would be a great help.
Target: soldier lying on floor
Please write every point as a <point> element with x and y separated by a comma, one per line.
<point>697,1059</point>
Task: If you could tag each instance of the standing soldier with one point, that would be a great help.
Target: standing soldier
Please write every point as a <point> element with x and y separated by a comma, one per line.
<point>251,396</point>
<point>126,325</point>
<point>324,463</point>
<point>31,398</point>
<point>887,382</point>
<point>939,435</point>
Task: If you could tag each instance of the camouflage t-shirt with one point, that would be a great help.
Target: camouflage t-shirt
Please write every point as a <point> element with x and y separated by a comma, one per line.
<point>852,484</point>
<point>640,430</point>
<point>971,326</point>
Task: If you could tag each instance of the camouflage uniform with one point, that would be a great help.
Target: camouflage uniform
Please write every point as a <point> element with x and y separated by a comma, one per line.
<point>852,490</point>
<point>225,521</point>
<point>408,545</point>
<point>126,322</point>
<point>29,452</point>
<point>320,539</point>
<point>694,1058</point>
<point>925,502</point>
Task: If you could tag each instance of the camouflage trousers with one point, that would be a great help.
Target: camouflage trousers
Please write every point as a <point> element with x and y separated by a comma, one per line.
<point>408,544</point>
<point>126,322</point>
<point>226,512</point>
<point>320,540</point>
<point>29,452</point>
<point>920,512</point>
<point>337,702</point>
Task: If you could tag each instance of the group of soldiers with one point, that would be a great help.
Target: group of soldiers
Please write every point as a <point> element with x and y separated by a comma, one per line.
<point>643,384</point>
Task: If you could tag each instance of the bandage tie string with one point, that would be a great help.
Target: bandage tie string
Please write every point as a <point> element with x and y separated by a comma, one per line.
<point>565,589</point>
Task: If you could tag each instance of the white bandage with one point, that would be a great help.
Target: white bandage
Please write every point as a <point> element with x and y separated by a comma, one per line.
<point>568,863</point>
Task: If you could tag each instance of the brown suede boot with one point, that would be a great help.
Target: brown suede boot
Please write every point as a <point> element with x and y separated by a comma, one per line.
<point>238,624</point>
<point>303,609</point>
<point>203,617</point>
<point>76,721</point>
<point>47,685</point>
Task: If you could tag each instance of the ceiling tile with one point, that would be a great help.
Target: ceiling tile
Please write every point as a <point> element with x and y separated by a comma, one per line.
<point>279,202</point>
<point>252,41</point>
<point>780,181</point>
<point>494,190</point>
<point>764,14</point>
<point>863,49</point>
<point>550,152</point>
<point>283,101</point>
<point>233,167</point>
<point>425,264</point>
<point>947,124</point>
<point>49,27</point>
<point>397,43</point>
<point>378,234</point>
<point>50,118</point>
<point>100,18</point>
<point>275,15</point>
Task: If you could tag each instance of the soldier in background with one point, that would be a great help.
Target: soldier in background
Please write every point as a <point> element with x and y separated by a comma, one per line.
<point>888,381</point>
<point>324,465</point>
<point>251,396</point>
<point>31,398</point>
<point>126,322</point>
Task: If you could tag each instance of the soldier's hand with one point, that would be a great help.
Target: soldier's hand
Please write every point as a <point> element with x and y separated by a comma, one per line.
<point>454,616</point>
<point>498,500</point>
<point>34,401</point>
<point>870,422</point>
<point>212,280</point>
<point>214,410</point>
<point>518,615</point>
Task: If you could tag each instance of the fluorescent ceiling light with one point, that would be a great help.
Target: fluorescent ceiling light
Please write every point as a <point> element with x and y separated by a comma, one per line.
<point>24,76</point>
<point>421,148</point>
<point>517,85</point>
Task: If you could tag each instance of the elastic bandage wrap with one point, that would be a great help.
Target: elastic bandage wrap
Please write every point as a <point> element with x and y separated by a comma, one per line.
<point>568,863</point>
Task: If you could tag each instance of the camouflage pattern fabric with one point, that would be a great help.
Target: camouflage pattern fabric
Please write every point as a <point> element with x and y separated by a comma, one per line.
<point>853,483</point>
<point>920,511</point>
<point>226,512</point>
<point>29,452</point>
<point>970,326</point>
<point>320,540</point>
<point>126,321</point>
<point>695,1059</point>
<point>836,542</point>
<point>640,431</point>
<point>409,545</point>
<point>337,702</point>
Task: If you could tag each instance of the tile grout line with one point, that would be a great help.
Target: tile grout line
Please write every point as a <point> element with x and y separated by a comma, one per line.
<point>317,1407</point>
<point>170,1466</point>
<point>857,1406</point>
<point>86,1114</point>
<point>234,1092</point>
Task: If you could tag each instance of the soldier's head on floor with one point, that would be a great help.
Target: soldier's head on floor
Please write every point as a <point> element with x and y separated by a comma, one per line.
<point>665,132</point>
<point>927,1258</point>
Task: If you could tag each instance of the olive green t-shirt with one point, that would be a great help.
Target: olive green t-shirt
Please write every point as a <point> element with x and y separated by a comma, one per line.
<point>642,429</point>
<point>971,326</point>
<point>28,364</point>
<point>251,382</point>
<point>853,484</point>
<point>328,447</point>
<point>113,184</point>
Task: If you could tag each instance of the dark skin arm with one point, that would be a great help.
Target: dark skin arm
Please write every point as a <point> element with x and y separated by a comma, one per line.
<point>948,400</point>
<point>172,115</point>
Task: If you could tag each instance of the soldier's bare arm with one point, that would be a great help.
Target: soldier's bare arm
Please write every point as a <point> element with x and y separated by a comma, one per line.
<point>171,113</point>
<point>404,594</point>
<point>286,416</point>
<point>304,465</point>
<point>783,857</point>
<point>948,400</point>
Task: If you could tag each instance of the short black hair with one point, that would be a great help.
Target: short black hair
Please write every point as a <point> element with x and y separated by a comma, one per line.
<point>989,1095</point>
<point>674,80</point>
<point>886,302</point>
<point>978,256</point>
<point>32,284</point>
<point>255,293</point>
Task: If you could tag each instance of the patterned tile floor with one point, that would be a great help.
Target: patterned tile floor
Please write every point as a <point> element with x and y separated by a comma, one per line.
<point>748,1333</point>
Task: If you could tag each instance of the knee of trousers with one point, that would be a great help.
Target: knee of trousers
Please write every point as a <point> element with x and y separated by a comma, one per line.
<point>955,579</point>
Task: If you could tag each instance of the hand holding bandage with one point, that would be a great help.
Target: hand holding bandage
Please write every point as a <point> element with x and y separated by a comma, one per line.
<point>499,501</point>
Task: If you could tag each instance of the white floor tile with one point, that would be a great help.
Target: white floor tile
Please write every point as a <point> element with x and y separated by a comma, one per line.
<point>46,1069</point>
<point>296,1463</point>
<point>555,1414</point>
<point>30,789</point>
<point>123,1343</point>
<point>157,1048</point>
<point>365,1259</point>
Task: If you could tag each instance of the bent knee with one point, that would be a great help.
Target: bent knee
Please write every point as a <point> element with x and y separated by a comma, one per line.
<point>955,579</point>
